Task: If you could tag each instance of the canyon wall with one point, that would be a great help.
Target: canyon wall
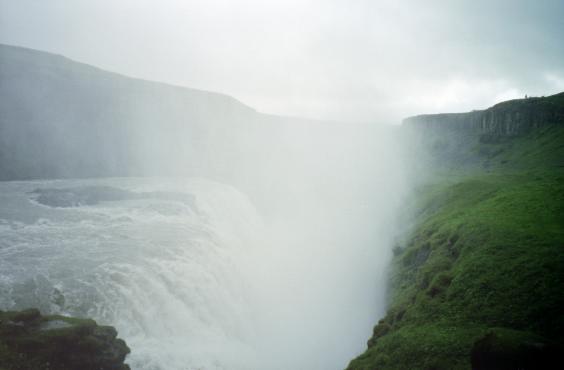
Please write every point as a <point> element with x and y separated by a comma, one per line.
<point>509,118</point>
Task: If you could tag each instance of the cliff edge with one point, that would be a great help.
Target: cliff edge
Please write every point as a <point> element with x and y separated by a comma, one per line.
<point>476,282</point>
<point>513,117</point>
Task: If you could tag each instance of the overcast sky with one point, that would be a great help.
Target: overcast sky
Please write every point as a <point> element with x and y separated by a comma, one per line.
<point>331,59</point>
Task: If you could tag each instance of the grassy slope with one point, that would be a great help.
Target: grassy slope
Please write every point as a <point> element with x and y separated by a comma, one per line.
<point>487,255</point>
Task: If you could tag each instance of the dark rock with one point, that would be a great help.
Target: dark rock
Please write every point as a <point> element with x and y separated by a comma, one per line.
<point>509,350</point>
<point>92,195</point>
<point>30,341</point>
<point>80,196</point>
<point>379,331</point>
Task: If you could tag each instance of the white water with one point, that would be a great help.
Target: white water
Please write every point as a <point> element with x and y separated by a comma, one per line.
<point>203,284</point>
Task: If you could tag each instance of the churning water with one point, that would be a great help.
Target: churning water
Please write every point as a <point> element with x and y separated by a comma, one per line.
<point>189,273</point>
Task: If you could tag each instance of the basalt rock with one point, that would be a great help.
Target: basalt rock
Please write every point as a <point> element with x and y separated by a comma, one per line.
<point>509,118</point>
<point>31,341</point>
<point>507,350</point>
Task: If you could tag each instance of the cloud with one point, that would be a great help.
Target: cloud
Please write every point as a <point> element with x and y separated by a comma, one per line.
<point>362,60</point>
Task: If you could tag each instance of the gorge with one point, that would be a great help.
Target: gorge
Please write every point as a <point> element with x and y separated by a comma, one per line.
<point>209,235</point>
<point>214,236</point>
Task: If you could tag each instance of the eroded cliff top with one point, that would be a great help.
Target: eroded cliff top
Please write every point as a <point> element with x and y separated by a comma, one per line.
<point>511,117</point>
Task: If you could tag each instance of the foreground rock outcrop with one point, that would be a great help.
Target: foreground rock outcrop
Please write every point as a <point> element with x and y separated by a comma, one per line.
<point>31,341</point>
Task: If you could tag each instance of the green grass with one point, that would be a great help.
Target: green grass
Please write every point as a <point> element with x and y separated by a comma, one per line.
<point>487,254</point>
<point>541,149</point>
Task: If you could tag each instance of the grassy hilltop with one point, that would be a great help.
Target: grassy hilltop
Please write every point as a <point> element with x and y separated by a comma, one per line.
<point>479,281</point>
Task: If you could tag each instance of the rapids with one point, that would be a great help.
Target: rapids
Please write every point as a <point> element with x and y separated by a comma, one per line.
<point>190,273</point>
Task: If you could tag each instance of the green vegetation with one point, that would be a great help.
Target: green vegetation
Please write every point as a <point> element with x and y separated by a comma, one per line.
<point>527,105</point>
<point>483,271</point>
<point>30,341</point>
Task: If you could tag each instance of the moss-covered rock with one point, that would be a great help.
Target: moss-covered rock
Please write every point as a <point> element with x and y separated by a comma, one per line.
<point>31,341</point>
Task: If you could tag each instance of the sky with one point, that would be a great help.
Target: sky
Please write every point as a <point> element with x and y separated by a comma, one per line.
<point>347,60</point>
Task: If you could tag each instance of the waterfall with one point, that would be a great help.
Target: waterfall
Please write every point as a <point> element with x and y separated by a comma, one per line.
<point>190,273</point>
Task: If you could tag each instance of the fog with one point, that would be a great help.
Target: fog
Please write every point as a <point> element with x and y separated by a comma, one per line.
<point>367,60</point>
<point>330,198</point>
<point>241,240</point>
<point>258,221</point>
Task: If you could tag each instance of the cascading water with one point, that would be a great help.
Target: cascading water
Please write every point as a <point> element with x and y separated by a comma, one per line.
<point>193,276</point>
<point>163,268</point>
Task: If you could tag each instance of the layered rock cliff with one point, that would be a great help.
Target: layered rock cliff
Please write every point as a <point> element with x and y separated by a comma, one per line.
<point>509,118</point>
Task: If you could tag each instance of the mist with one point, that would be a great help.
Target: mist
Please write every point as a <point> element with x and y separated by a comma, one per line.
<point>228,238</point>
<point>329,196</point>
<point>224,182</point>
<point>371,61</point>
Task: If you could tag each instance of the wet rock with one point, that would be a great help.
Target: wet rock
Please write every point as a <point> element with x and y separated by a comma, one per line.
<point>31,341</point>
<point>504,349</point>
<point>80,196</point>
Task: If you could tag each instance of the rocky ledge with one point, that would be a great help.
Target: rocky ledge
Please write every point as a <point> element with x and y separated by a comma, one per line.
<point>509,118</point>
<point>31,341</point>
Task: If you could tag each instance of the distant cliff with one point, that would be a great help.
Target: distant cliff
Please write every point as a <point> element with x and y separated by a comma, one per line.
<point>60,118</point>
<point>64,119</point>
<point>508,118</point>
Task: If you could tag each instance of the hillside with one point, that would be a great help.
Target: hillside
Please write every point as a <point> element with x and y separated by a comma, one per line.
<point>63,119</point>
<point>60,118</point>
<point>477,282</point>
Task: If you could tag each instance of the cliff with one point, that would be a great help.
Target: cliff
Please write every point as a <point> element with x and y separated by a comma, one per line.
<point>509,118</point>
<point>60,118</point>
<point>476,282</point>
<point>30,341</point>
<point>64,119</point>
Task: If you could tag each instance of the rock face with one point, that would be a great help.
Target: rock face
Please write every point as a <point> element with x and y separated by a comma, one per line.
<point>31,341</point>
<point>500,351</point>
<point>510,118</point>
